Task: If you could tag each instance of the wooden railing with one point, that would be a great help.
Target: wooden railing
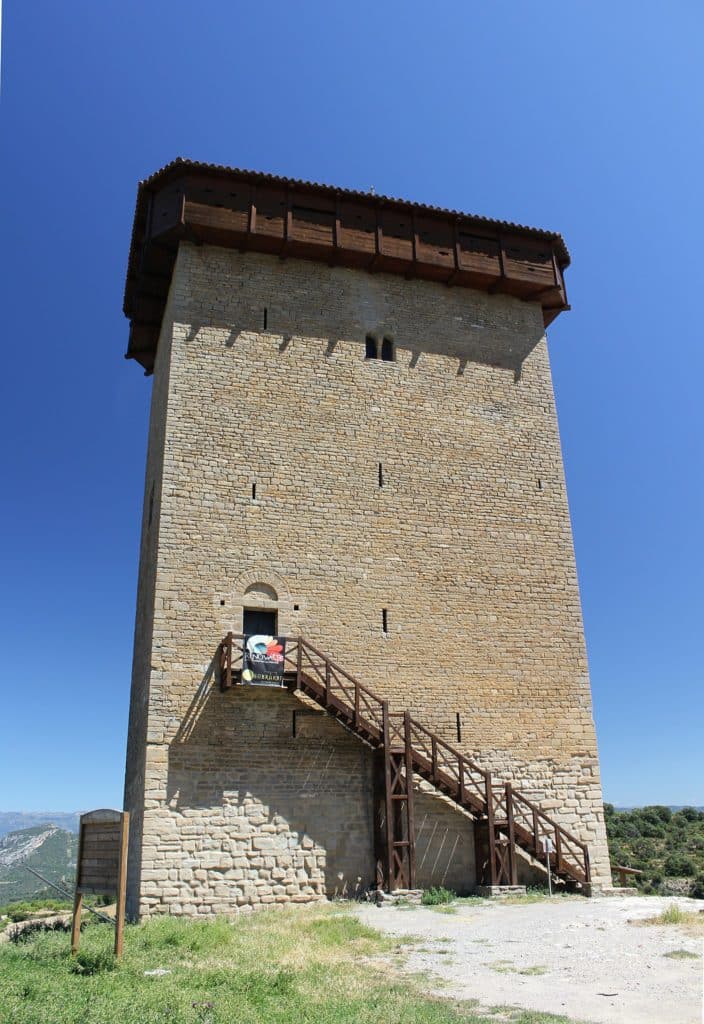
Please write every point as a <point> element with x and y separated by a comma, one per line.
<point>501,807</point>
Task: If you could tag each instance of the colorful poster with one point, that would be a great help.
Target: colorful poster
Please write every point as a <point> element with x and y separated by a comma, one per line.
<point>264,660</point>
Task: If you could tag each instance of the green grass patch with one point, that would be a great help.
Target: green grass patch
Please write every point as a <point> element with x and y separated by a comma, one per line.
<point>681,954</point>
<point>437,895</point>
<point>313,965</point>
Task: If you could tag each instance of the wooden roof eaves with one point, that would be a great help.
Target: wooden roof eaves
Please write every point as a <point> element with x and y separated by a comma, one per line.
<point>176,168</point>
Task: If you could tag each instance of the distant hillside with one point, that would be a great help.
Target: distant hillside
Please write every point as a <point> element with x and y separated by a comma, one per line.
<point>667,846</point>
<point>49,850</point>
<point>11,821</point>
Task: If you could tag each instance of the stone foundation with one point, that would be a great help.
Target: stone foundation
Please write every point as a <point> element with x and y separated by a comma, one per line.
<point>500,891</point>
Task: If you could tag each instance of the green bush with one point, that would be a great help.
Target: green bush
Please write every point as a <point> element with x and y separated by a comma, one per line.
<point>93,963</point>
<point>679,866</point>
<point>697,890</point>
<point>436,895</point>
<point>656,841</point>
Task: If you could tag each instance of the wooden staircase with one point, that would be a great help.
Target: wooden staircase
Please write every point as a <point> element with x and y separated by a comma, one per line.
<point>504,818</point>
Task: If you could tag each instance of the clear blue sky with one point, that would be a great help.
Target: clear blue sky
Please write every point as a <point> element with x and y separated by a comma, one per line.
<point>583,117</point>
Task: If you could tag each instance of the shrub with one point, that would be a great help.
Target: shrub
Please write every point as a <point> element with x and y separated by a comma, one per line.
<point>673,915</point>
<point>436,895</point>
<point>93,963</point>
<point>679,866</point>
<point>691,814</point>
<point>697,890</point>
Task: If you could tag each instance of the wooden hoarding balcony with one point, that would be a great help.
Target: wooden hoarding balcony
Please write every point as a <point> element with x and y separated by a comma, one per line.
<point>248,211</point>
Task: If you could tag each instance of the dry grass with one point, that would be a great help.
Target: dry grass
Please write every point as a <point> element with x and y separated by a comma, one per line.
<point>508,967</point>
<point>690,921</point>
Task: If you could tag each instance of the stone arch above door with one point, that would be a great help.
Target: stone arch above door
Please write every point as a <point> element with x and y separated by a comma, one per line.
<point>257,588</point>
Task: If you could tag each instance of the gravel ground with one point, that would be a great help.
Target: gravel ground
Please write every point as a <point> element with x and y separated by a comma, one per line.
<point>583,958</point>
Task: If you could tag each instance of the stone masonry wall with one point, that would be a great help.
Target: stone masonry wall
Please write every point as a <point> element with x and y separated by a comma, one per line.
<point>466,544</point>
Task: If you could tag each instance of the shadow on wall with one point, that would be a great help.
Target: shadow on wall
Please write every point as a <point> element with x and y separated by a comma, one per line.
<point>479,342</point>
<point>444,845</point>
<point>249,795</point>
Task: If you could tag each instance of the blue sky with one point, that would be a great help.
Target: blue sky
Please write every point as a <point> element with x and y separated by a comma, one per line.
<point>581,117</point>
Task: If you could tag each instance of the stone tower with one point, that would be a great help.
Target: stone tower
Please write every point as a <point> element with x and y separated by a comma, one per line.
<point>353,440</point>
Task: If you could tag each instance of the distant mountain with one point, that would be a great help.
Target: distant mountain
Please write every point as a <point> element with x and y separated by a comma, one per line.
<point>673,807</point>
<point>48,849</point>
<point>11,821</point>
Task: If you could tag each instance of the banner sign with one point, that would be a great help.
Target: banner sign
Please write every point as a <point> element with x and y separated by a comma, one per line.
<point>263,660</point>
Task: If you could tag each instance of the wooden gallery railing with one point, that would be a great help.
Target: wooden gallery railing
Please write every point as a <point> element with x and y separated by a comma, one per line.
<point>505,818</point>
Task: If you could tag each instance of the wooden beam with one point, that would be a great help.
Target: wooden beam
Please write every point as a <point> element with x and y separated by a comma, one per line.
<point>512,864</point>
<point>387,794</point>
<point>413,269</point>
<point>410,817</point>
<point>378,240</point>
<point>336,233</point>
<point>288,226</point>
<point>121,883</point>
<point>457,254</point>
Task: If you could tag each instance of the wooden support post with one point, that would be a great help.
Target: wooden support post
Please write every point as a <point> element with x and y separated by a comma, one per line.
<point>327,682</point>
<point>387,796</point>
<point>536,833</point>
<point>491,837</point>
<point>456,254</point>
<point>512,863</point>
<point>480,851</point>
<point>380,852</point>
<point>299,662</point>
<point>76,922</point>
<point>252,216</point>
<point>558,850</point>
<point>121,883</point>
<point>355,717</point>
<point>410,819</point>
<point>77,898</point>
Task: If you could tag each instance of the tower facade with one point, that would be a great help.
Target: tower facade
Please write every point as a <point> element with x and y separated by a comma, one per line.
<point>353,440</point>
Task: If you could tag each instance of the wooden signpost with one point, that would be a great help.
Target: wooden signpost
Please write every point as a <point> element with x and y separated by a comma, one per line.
<point>101,867</point>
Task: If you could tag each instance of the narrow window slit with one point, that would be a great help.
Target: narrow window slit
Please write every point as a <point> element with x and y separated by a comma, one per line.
<point>266,318</point>
<point>381,474</point>
<point>384,620</point>
<point>540,484</point>
<point>371,351</point>
<point>387,350</point>
<point>254,492</point>
<point>458,723</point>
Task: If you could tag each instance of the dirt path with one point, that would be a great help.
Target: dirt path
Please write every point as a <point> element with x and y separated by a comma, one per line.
<point>577,957</point>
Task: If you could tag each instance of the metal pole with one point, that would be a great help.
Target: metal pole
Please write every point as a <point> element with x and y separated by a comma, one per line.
<point>67,895</point>
<point>547,843</point>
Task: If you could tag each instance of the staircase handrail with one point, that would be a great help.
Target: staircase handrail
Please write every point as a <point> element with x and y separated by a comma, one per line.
<point>433,754</point>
